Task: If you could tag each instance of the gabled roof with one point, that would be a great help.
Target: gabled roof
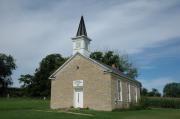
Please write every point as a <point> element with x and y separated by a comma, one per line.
<point>116,71</point>
<point>82,28</point>
<point>105,67</point>
<point>94,61</point>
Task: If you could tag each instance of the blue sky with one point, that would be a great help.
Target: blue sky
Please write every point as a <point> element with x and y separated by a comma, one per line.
<point>147,30</point>
<point>159,65</point>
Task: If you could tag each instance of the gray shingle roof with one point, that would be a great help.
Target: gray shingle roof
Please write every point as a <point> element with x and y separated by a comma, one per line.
<point>115,70</point>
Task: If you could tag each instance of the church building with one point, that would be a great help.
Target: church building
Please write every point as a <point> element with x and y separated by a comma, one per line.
<point>82,82</point>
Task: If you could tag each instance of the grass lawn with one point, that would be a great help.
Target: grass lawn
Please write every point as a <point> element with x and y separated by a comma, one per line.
<point>39,109</point>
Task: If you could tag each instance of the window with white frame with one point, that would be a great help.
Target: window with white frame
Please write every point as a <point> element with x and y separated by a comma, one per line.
<point>136,90</point>
<point>119,88</point>
<point>128,89</point>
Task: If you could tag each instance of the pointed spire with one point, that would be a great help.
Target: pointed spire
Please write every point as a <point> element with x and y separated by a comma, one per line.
<point>82,28</point>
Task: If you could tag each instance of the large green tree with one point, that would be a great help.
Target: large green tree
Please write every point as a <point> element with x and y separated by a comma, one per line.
<point>39,84</point>
<point>7,65</point>
<point>172,90</point>
<point>144,92</point>
<point>154,93</point>
<point>120,61</point>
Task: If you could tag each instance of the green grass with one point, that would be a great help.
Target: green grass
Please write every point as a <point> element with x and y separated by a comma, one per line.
<point>39,109</point>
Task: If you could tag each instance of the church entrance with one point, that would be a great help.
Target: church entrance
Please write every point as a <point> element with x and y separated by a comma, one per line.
<point>78,97</point>
<point>78,93</point>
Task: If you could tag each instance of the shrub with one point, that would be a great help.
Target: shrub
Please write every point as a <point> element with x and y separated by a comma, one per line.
<point>142,105</point>
<point>161,102</point>
<point>138,107</point>
<point>154,102</point>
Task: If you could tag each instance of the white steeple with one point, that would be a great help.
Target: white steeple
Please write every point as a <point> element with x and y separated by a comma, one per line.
<point>81,42</point>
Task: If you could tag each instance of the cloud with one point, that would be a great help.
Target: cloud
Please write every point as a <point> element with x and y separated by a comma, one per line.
<point>136,25</point>
<point>157,83</point>
<point>29,30</point>
<point>160,52</point>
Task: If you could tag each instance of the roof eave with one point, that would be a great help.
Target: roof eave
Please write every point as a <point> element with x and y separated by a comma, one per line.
<point>110,71</point>
<point>82,36</point>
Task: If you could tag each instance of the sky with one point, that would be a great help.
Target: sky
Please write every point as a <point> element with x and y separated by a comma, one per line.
<point>147,30</point>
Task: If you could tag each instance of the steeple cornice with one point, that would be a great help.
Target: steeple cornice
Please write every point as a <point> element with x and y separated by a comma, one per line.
<point>81,42</point>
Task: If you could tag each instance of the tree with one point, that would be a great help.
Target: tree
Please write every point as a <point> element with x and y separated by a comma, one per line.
<point>27,86</point>
<point>39,84</point>
<point>172,90</point>
<point>120,61</point>
<point>26,80</point>
<point>144,92</point>
<point>7,65</point>
<point>154,93</point>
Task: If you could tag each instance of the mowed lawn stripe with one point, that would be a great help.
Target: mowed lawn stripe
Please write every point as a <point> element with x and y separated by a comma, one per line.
<point>68,112</point>
<point>39,109</point>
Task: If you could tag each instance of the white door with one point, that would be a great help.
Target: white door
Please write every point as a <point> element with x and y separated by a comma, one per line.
<point>78,98</point>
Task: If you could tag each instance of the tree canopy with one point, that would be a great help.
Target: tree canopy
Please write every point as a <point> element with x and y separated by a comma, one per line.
<point>120,61</point>
<point>144,92</point>
<point>153,93</point>
<point>39,84</point>
<point>172,90</point>
<point>7,65</point>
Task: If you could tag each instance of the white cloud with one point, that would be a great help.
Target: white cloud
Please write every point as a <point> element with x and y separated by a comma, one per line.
<point>157,83</point>
<point>135,25</point>
<point>29,30</point>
